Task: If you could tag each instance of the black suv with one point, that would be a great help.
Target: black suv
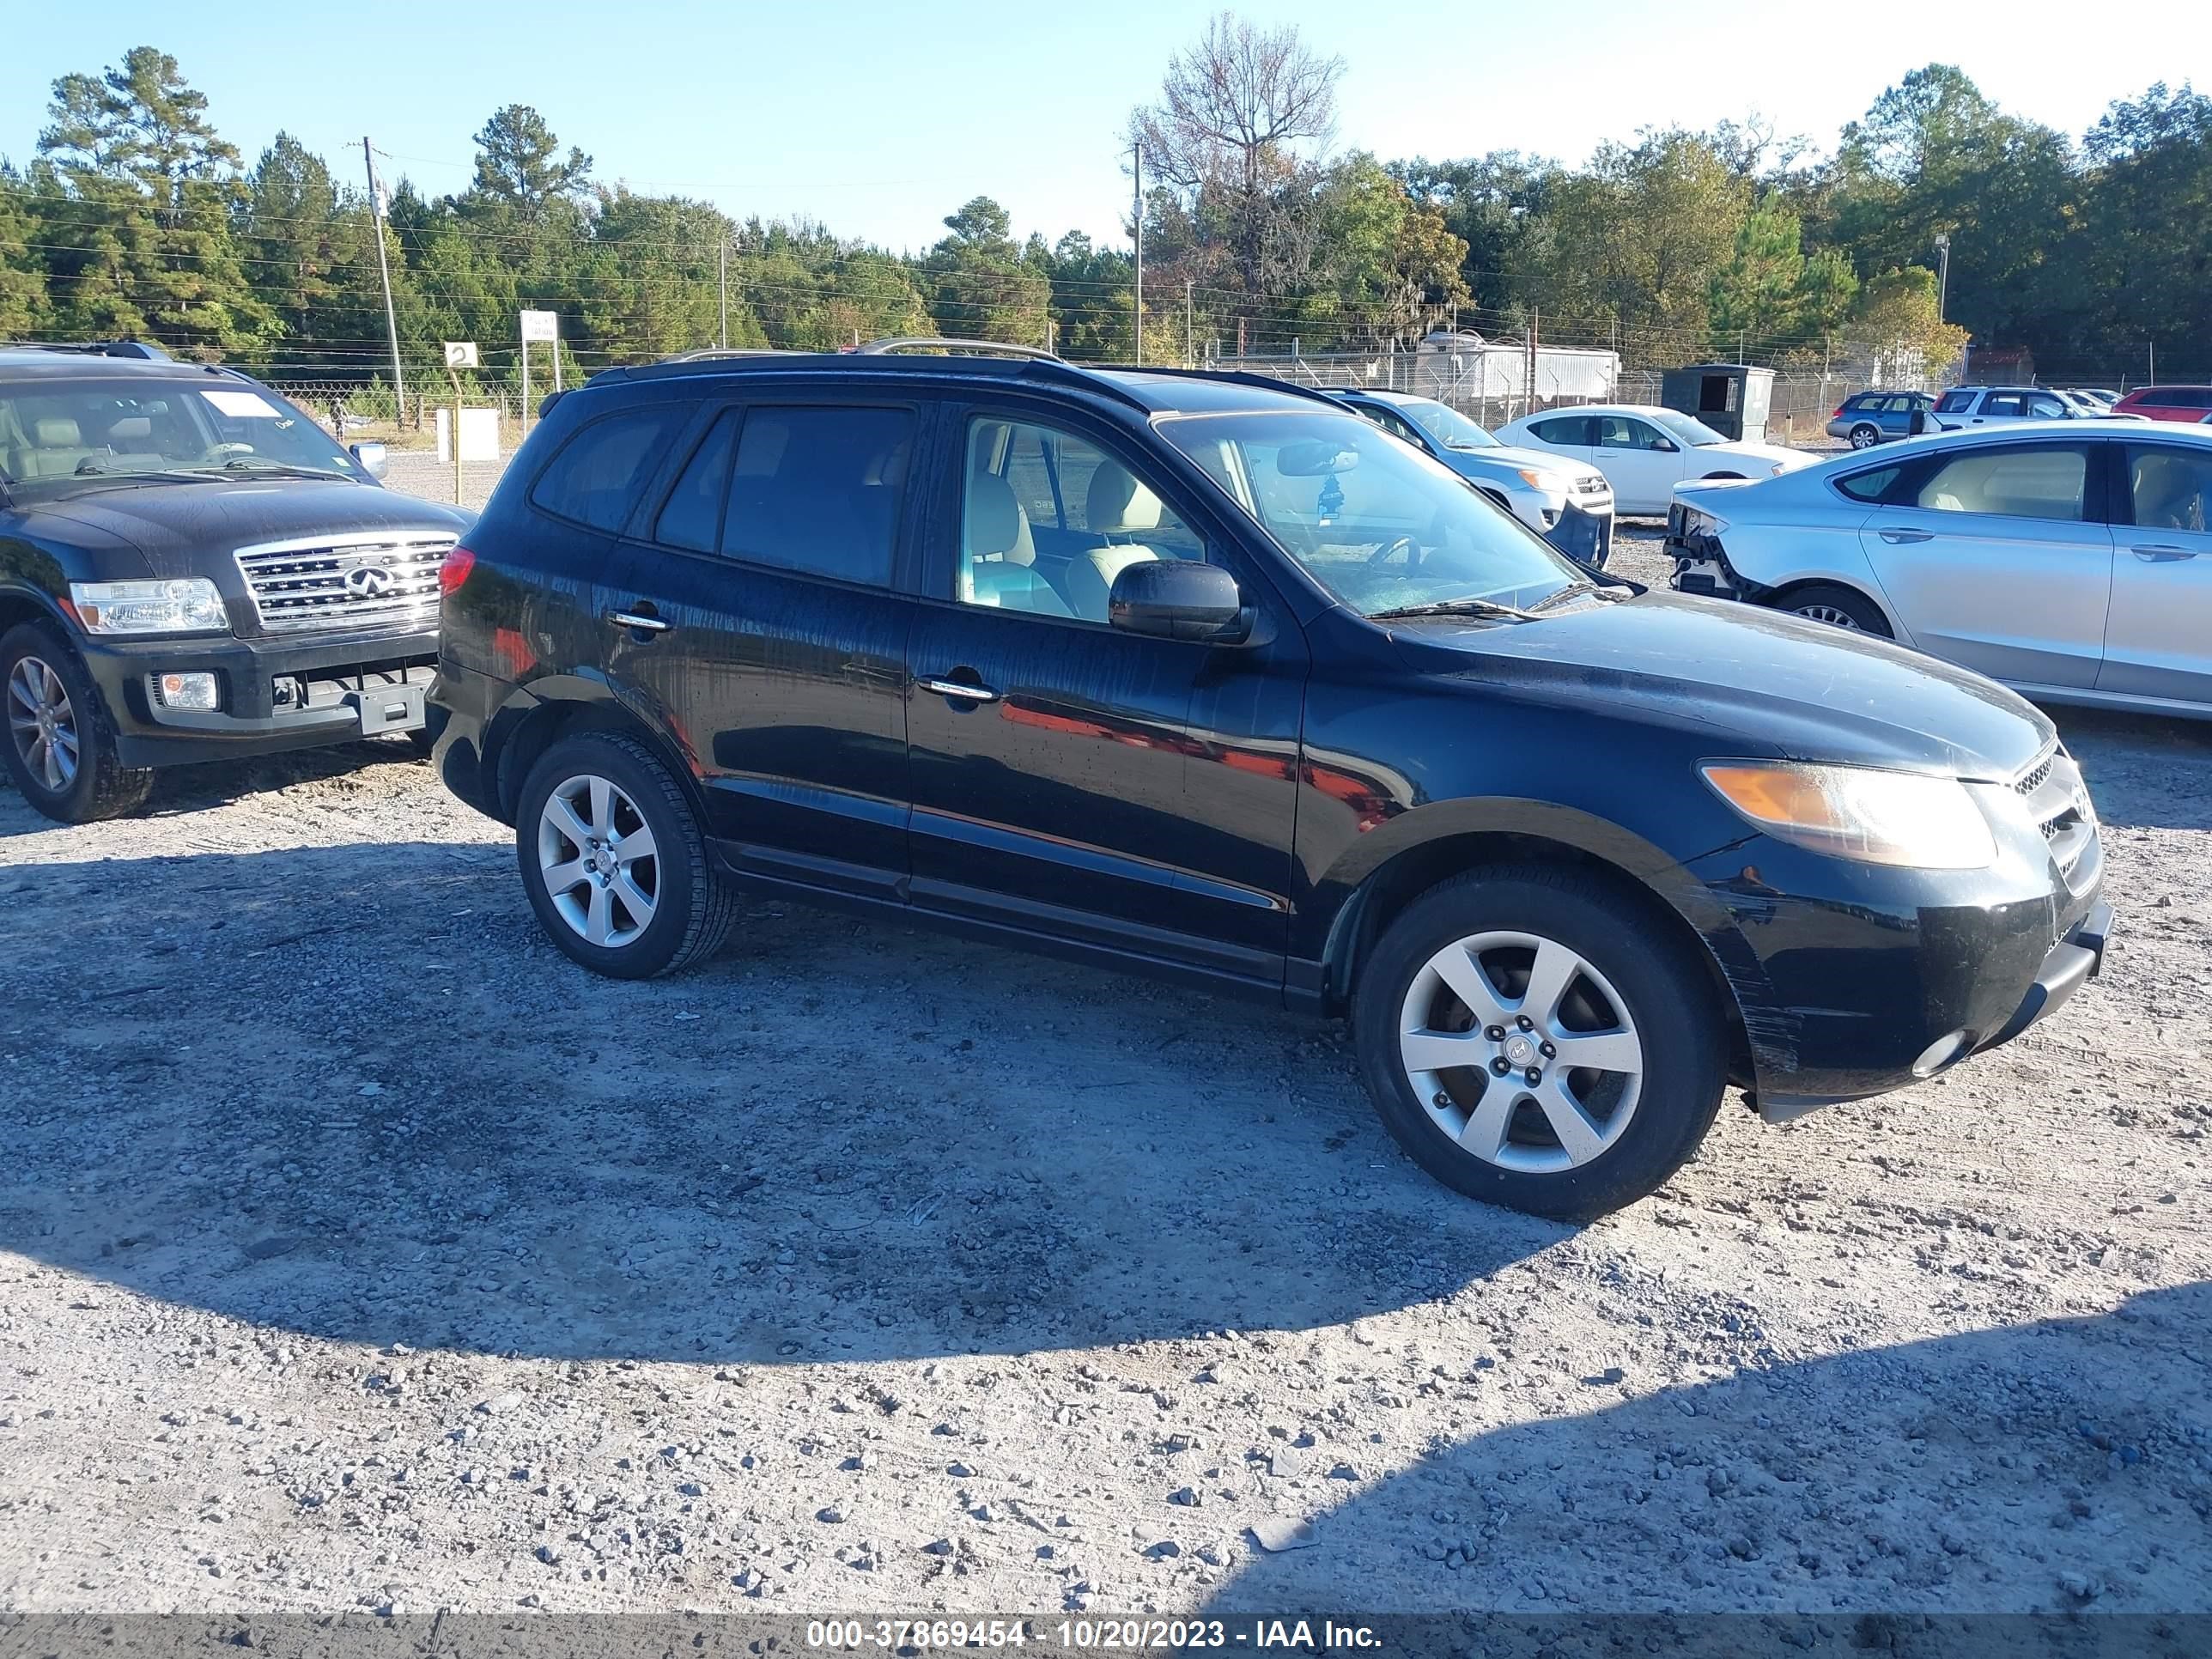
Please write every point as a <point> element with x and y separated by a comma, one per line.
<point>1202,676</point>
<point>192,570</point>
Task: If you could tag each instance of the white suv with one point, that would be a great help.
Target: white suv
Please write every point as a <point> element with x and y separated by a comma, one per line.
<point>1965,406</point>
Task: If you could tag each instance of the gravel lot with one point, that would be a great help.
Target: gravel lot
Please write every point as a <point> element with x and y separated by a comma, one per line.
<point>357,1252</point>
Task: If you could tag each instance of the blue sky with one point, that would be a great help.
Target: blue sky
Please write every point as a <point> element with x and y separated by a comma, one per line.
<point>880,118</point>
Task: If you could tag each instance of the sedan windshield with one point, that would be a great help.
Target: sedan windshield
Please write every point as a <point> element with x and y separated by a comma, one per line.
<point>57,433</point>
<point>1376,522</point>
<point>1687,430</point>
<point>1444,423</point>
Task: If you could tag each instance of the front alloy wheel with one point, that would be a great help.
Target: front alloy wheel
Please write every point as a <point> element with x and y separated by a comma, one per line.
<point>1541,1036</point>
<point>42,721</point>
<point>1524,1054</point>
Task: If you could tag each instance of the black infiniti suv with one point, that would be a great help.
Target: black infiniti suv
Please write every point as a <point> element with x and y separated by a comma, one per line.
<point>1202,676</point>
<point>192,570</point>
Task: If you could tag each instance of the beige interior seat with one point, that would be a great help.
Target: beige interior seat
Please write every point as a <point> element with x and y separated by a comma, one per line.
<point>997,557</point>
<point>57,447</point>
<point>1116,506</point>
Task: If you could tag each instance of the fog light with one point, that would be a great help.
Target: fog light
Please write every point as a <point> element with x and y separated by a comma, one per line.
<point>191,691</point>
<point>1939,1053</point>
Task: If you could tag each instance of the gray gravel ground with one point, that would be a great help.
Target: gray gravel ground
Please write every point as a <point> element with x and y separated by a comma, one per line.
<point>358,1252</point>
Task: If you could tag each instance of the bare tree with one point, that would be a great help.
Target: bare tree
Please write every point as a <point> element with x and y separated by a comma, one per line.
<point>1234,109</point>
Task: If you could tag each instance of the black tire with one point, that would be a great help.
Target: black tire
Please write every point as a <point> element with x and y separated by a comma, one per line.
<point>1837,606</point>
<point>1666,1002</point>
<point>1865,436</point>
<point>102,787</point>
<point>692,908</point>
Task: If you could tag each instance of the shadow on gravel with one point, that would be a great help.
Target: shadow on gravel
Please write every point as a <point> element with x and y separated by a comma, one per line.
<point>350,1092</point>
<point>2145,772</point>
<point>2063,1462</point>
<point>209,784</point>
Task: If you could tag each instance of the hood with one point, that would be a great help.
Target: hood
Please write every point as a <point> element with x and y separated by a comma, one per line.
<point>1769,453</point>
<point>1504,462</point>
<point>177,526</point>
<point>1766,683</point>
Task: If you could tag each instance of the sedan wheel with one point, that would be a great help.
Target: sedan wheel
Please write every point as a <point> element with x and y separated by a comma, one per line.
<point>1525,1055</point>
<point>597,858</point>
<point>1829,615</point>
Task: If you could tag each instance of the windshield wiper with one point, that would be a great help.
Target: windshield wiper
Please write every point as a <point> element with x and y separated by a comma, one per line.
<point>1610,594</point>
<point>266,469</point>
<point>1455,608</point>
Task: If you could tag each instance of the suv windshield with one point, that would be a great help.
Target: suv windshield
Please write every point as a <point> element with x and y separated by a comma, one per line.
<point>1685,430</point>
<point>1444,423</point>
<point>1378,524</point>
<point>57,433</point>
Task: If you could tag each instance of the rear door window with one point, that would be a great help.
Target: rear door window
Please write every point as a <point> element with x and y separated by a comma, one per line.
<point>2004,402</point>
<point>1957,401</point>
<point>2038,481</point>
<point>1563,429</point>
<point>818,490</point>
<point>595,478</point>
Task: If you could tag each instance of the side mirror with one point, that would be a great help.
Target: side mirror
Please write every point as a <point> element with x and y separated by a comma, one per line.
<point>1178,599</point>
<point>372,458</point>
<point>1665,446</point>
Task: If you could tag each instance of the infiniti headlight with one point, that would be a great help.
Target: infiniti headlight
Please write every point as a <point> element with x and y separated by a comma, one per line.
<point>187,606</point>
<point>1858,813</point>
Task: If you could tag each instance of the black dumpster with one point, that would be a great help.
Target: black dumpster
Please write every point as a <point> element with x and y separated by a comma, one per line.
<point>1732,398</point>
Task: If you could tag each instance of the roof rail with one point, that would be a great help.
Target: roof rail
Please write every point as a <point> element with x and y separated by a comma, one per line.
<point>707,354</point>
<point>140,349</point>
<point>1240,376</point>
<point>935,342</point>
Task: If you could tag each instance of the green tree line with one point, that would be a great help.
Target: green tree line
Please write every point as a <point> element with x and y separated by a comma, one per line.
<point>134,218</point>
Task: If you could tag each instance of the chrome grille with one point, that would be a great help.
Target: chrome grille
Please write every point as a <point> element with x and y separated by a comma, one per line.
<point>1592,483</point>
<point>346,579</point>
<point>2059,804</point>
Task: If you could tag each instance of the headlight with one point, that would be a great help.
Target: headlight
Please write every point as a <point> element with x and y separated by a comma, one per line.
<point>191,606</point>
<point>1537,480</point>
<point>1857,813</point>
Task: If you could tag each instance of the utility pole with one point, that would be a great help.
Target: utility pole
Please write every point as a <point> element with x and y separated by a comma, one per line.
<point>722,294</point>
<point>1137,151</point>
<point>1942,273</point>
<point>376,218</point>
<point>1189,331</point>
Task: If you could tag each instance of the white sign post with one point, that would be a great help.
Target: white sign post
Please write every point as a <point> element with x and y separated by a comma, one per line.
<point>545,327</point>
<point>459,355</point>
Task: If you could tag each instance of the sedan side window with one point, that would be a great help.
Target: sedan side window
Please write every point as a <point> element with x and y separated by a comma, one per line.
<point>2170,489</point>
<point>2046,482</point>
<point>1047,520</point>
<point>1563,429</point>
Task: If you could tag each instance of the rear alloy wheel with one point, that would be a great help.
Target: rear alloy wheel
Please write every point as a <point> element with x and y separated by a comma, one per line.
<point>1864,436</point>
<point>1839,607</point>
<point>613,860</point>
<point>1536,1038</point>
<point>60,751</point>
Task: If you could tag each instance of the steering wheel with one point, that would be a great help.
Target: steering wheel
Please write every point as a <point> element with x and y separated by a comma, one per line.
<point>1411,548</point>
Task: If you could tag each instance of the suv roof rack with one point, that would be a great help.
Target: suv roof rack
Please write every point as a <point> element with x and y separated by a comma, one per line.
<point>1239,376</point>
<point>950,347</point>
<point>143,349</point>
<point>709,354</point>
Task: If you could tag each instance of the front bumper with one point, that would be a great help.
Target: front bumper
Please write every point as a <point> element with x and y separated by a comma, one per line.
<point>1854,980</point>
<point>1701,564</point>
<point>271,695</point>
<point>1583,535</point>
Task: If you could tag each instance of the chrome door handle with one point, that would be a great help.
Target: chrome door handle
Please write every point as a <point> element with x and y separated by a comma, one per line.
<point>1896,537</point>
<point>962,689</point>
<point>2161,552</point>
<point>643,624</point>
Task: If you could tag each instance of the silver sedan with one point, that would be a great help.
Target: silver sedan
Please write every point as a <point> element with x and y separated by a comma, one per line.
<point>2071,560</point>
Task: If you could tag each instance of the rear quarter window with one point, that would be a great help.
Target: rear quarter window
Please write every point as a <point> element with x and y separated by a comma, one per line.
<point>1870,486</point>
<point>596,477</point>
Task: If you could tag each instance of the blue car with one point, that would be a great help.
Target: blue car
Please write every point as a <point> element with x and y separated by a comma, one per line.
<point>1868,418</point>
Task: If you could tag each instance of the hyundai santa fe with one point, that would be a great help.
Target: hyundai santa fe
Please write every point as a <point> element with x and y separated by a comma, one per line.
<point>1199,675</point>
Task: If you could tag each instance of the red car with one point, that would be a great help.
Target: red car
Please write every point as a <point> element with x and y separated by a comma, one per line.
<point>2190,404</point>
